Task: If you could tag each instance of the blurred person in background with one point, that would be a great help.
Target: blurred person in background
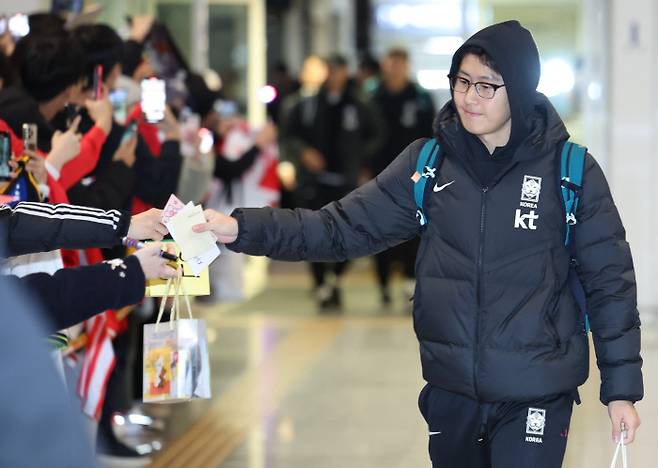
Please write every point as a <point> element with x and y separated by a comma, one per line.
<point>408,112</point>
<point>285,85</point>
<point>311,77</point>
<point>331,134</point>
<point>368,75</point>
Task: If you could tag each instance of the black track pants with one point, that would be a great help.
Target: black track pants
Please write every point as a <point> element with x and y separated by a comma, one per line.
<point>464,433</point>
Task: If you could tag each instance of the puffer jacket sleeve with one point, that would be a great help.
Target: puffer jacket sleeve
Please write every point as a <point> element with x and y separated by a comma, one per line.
<point>605,267</point>
<point>372,218</point>
<point>41,227</point>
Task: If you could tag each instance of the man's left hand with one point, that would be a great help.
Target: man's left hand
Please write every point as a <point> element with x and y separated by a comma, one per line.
<point>621,411</point>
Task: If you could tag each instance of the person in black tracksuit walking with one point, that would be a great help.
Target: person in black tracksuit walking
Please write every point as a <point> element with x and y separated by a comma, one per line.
<point>334,133</point>
<point>408,112</point>
<point>501,338</point>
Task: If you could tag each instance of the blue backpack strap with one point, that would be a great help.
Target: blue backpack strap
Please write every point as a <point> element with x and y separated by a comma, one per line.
<point>428,161</point>
<point>572,166</point>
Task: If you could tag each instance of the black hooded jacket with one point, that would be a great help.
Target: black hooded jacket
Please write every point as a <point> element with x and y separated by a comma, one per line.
<point>494,315</point>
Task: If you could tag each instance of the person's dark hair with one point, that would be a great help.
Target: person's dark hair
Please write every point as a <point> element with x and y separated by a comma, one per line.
<point>480,53</point>
<point>45,23</point>
<point>337,61</point>
<point>47,64</point>
<point>101,46</point>
<point>280,67</point>
<point>200,97</point>
<point>398,53</point>
<point>6,71</point>
<point>369,63</point>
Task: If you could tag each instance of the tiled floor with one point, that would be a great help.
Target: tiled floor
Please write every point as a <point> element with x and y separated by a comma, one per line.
<point>296,390</point>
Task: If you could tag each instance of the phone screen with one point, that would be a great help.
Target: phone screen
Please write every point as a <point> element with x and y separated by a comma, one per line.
<point>206,140</point>
<point>19,25</point>
<point>129,132</point>
<point>119,99</point>
<point>30,136</point>
<point>226,109</point>
<point>5,155</point>
<point>153,99</point>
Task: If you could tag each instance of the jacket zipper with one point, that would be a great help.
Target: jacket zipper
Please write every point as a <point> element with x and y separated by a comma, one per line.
<point>476,350</point>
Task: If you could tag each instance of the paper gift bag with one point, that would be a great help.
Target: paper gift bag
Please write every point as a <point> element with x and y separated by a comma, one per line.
<point>176,364</point>
<point>193,285</point>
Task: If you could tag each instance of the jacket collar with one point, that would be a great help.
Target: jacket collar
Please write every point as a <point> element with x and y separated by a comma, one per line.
<point>546,130</point>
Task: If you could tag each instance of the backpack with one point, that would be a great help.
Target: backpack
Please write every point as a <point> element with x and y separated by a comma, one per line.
<point>570,183</point>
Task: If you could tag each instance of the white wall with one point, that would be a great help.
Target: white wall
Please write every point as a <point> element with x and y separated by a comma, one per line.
<point>632,166</point>
<point>23,6</point>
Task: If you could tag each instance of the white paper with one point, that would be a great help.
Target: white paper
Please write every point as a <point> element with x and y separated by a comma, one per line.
<point>199,249</point>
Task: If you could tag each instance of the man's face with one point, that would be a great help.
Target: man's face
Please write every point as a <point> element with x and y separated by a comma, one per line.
<point>395,68</point>
<point>338,77</point>
<point>314,72</point>
<point>488,118</point>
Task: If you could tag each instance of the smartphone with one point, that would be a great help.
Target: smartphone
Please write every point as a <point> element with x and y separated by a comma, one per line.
<point>30,136</point>
<point>98,82</point>
<point>129,132</point>
<point>5,156</point>
<point>154,98</point>
<point>206,141</point>
<point>19,25</point>
<point>226,109</point>
<point>119,99</point>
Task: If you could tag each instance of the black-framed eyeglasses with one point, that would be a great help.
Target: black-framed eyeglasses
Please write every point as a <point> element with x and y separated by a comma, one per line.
<point>485,90</point>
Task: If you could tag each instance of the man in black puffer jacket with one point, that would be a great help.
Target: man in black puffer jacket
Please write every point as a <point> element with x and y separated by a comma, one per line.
<point>501,338</point>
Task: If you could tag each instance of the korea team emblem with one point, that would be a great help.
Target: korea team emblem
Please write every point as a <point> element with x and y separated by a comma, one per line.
<point>536,421</point>
<point>531,189</point>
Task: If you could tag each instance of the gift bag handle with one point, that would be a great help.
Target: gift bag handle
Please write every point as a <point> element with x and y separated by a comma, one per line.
<point>621,447</point>
<point>163,303</point>
<point>177,283</point>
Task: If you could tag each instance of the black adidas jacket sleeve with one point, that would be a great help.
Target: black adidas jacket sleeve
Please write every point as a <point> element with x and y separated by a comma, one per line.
<point>605,267</point>
<point>73,295</point>
<point>372,218</point>
<point>40,227</point>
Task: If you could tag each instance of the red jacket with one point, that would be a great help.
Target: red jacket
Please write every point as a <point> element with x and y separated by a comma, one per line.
<point>85,162</point>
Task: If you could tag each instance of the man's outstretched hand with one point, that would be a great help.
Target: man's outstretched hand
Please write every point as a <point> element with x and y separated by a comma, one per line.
<point>225,228</point>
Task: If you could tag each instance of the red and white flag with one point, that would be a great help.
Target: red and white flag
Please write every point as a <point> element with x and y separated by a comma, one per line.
<point>98,364</point>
